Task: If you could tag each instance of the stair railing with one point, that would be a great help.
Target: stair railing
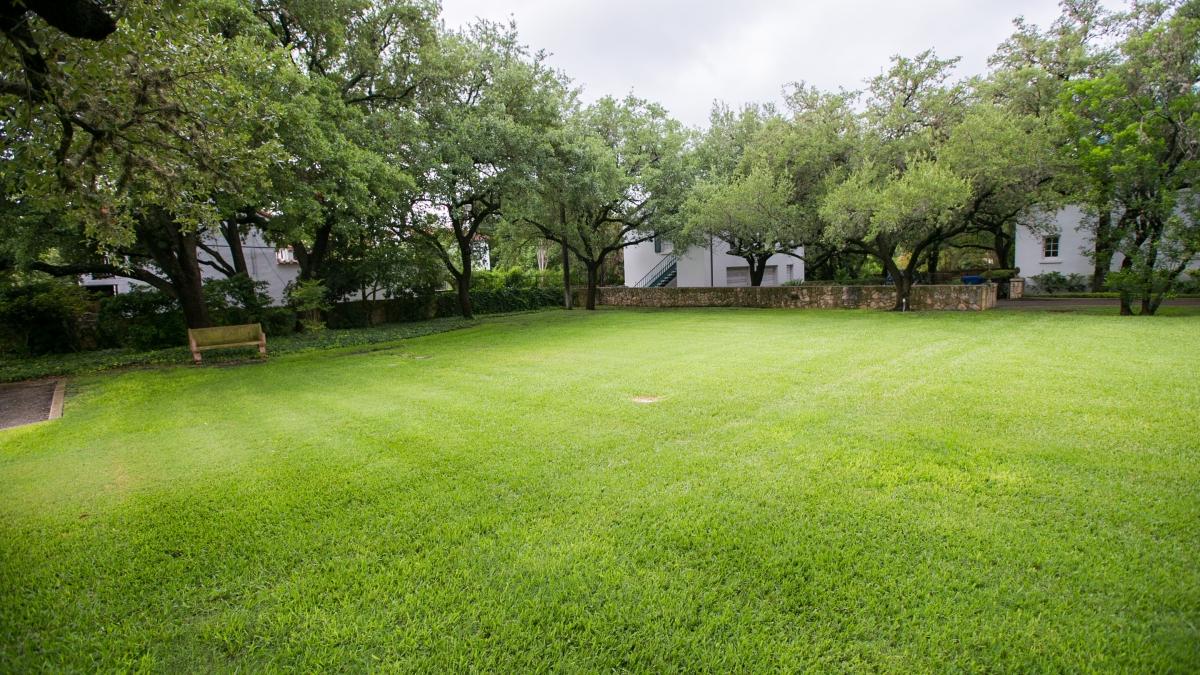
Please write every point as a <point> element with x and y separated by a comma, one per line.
<point>656,271</point>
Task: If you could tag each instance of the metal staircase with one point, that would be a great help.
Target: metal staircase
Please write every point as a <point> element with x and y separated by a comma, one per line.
<point>661,274</point>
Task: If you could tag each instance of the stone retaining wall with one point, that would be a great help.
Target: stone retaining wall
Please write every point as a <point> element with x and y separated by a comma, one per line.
<point>961,298</point>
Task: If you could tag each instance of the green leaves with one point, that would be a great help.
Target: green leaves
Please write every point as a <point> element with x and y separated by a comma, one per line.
<point>1134,143</point>
<point>905,206</point>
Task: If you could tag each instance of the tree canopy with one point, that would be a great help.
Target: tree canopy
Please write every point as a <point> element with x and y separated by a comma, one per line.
<point>149,139</point>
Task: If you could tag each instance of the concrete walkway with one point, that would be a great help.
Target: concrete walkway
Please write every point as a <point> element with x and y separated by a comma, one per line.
<point>28,402</point>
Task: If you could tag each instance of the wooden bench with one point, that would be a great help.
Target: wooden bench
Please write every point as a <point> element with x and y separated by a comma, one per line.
<point>219,337</point>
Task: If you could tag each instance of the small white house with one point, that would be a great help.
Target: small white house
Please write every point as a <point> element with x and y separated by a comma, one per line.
<point>275,266</point>
<point>1065,249</point>
<point>657,263</point>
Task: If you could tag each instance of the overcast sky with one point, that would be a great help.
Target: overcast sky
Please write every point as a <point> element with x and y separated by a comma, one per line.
<point>684,54</point>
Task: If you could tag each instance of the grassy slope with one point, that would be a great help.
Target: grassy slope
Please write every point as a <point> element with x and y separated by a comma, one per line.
<point>816,489</point>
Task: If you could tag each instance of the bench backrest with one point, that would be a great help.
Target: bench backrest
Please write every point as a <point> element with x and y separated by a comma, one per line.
<point>225,335</point>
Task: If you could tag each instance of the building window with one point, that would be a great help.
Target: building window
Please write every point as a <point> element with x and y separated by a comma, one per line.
<point>1050,247</point>
<point>285,256</point>
<point>661,245</point>
<point>791,272</point>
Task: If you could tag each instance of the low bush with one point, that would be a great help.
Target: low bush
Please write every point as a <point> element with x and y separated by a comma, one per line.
<point>1050,283</point>
<point>1000,274</point>
<point>42,316</point>
<point>310,299</point>
<point>146,318</point>
<point>143,318</point>
<point>240,300</point>
<point>515,277</point>
<point>417,306</point>
<point>501,300</point>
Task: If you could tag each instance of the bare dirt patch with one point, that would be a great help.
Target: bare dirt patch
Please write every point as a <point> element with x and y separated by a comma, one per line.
<point>646,399</point>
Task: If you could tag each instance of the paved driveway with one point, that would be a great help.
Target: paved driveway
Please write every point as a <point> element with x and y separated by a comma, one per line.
<point>1069,304</point>
<point>28,402</point>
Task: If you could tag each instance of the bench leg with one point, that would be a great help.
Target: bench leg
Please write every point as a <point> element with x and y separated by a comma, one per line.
<point>196,357</point>
<point>262,347</point>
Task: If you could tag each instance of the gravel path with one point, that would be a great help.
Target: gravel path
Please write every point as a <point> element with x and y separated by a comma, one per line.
<point>26,402</point>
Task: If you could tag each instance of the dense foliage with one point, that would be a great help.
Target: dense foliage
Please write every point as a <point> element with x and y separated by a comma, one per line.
<point>150,140</point>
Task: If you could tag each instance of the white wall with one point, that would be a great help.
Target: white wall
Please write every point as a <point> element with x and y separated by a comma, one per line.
<point>693,265</point>
<point>1075,242</point>
<point>261,263</point>
<point>640,259</point>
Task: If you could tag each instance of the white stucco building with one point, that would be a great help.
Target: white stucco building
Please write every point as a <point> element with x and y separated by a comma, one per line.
<point>657,263</point>
<point>275,266</point>
<point>1065,249</point>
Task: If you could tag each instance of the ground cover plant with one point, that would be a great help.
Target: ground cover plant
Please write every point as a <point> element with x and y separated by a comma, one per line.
<point>708,490</point>
<point>13,368</point>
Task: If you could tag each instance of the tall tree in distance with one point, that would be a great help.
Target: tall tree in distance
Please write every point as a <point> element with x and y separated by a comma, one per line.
<point>1030,71</point>
<point>615,176</point>
<point>898,198</point>
<point>361,64</point>
<point>1135,138</point>
<point>741,197</point>
<point>482,127</point>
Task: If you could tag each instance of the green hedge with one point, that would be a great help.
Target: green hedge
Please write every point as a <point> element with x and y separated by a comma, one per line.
<point>359,314</point>
<point>501,300</point>
<point>43,317</point>
<point>149,319</point>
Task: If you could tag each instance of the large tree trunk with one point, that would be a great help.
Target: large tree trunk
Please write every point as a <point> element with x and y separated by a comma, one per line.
<point>1103,253</point>
<point>312,260</point>
<point>174,252</point>
<point>463,287</point>
<point>463,279</point>
<point>568,301</point>
<point>931,266</point>
<point>903,281</point>
<point>1151,305</point>
<point>191,299</point>
<point>233,237</point>
<point>758,269</point>
<point>1126,296</point>
<point>593,282</point>
<point>1002,244</point>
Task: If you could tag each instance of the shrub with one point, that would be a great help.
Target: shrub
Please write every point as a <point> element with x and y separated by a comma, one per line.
<point>236,300</point>
<point>415,306</point>
<point>41,317</point>
<point>141,319</point>
<point>515,277</point>
<point>239,300</point>
<point>1000,274</point>
<point>1188,283</point>
<point>309,299</point>
<point>502,300</point>
<point>1056,282</point>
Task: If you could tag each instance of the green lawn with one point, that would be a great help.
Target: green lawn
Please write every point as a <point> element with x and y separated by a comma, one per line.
<point>814,491</point>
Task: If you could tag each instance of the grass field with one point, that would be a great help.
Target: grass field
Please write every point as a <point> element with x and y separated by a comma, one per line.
<point>812,490</point>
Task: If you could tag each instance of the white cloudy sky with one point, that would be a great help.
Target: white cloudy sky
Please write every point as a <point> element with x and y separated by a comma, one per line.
<point>685,54</point>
